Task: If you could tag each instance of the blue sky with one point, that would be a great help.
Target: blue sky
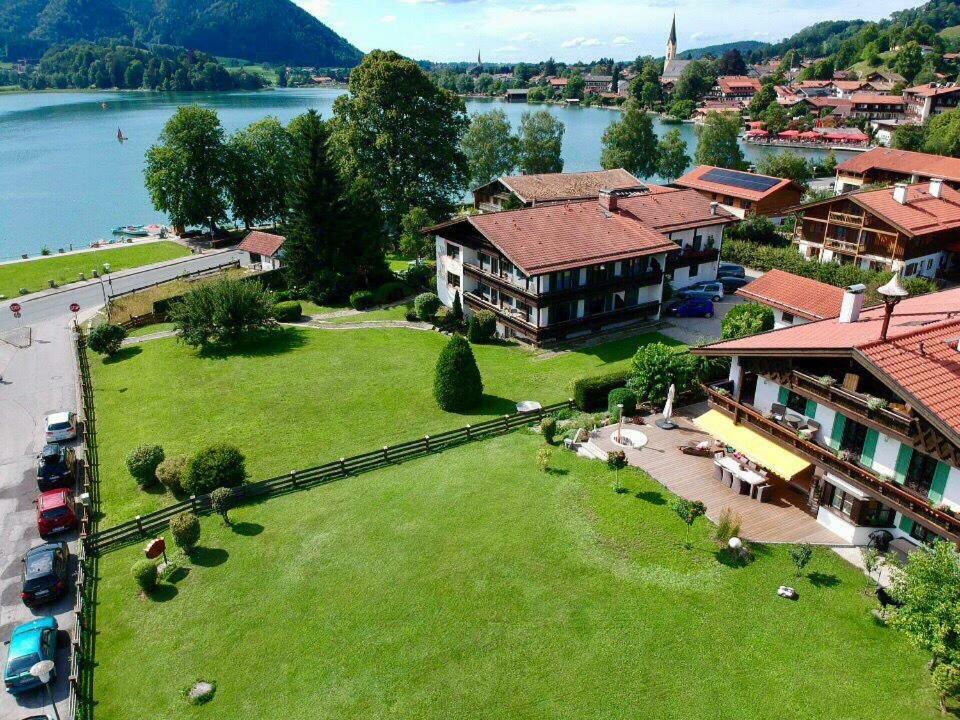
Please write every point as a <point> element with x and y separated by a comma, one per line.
<point>511,30</point>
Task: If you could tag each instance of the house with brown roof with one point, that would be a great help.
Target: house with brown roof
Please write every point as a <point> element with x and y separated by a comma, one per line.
<point>885,166</point>
<point>865,404</point>
<point>744,193</point>
<point>873,106</point>
<point>563,269</point>
<point>740,87</point>
<point>513,191</point>
<point>262,250</point>
<point>925,101</point>
<point>794,299</point>
<point>909,229</point>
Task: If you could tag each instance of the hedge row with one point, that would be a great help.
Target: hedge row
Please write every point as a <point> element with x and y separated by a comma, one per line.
<point>590,393</point>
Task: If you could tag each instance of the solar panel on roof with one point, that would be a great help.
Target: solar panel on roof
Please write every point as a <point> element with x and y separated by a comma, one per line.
<point>737,179</point>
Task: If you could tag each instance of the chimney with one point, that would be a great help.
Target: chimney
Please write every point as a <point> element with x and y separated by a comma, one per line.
<point>900,193</point>
<point>608,200</point>
<point>851,304</point>
<point>713,208</point>
<point>936,187</point>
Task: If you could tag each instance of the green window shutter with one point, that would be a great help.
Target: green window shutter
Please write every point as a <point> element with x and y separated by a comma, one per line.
<point>939,484</point>
<point>783,395</point>
<point>839,423</point>
<point>869,447</point>
<point>811,409</point>
<point>903,463</point>
<point>906,524</point>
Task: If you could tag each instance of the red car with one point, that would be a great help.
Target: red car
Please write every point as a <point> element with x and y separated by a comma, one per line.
<point>56,512</point>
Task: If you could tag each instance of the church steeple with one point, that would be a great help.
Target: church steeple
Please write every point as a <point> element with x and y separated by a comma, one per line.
<point>672,41</point>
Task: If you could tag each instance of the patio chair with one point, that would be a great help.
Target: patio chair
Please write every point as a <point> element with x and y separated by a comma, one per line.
<point>764,492</point>
<point>741,487</point>
<point>719,472</point>
<point>727,478</point>
<point>778,410</point>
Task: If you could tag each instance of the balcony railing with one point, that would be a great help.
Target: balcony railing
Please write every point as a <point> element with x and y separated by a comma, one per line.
<point>688,257</point>
<point>842,218</point>
<point>510,313</point>
<point>854,402</point>
<point>844,246</point>
<point>619,282</point>
<point>499,280</point>
<point>914,506</point>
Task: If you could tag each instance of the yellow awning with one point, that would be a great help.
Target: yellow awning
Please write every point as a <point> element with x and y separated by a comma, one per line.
<point>756,447</point>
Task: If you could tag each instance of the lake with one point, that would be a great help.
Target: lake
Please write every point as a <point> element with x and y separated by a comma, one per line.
<point>65,180</point>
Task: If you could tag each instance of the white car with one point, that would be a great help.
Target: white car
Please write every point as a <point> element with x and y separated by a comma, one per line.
<point>61,426</point>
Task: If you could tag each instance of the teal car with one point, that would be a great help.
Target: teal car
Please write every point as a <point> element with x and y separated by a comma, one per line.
<point>30,643</point>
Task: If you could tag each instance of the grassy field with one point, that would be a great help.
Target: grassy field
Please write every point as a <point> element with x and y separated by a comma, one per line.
<point>863,68</point>
<point>398,312</point>
<point>302,397</point>
<point>35,274</point>
<point>950,32</point>
<point>469,585</point>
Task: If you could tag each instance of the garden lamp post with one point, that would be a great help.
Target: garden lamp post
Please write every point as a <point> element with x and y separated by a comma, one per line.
<point>892,293</point>
<point>42,671</point>
<point>620,424</point>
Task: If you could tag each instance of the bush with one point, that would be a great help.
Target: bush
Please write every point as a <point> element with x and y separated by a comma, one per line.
<point>590,393</point>
<point>219,465</point>
<point>287,311</point>
<point>142,463</point>
<point>145,573</point>
<point>185,528</point>
<point>746,319</point>
<point>170,474</point>
<point>482,326</point>
<point>548,428</point>
<point>420,276</point>
<point>222,311</point>
<point>361,300</point>
<point>426,306</point>
<point>390,292</point>
<point>624,396</point>
<point>220,500</point>
<point>457,384</point>
<point>106,339</point>
<point>657,366</point>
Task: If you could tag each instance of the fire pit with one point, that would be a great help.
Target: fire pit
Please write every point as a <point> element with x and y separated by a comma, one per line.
<point>628,438</point>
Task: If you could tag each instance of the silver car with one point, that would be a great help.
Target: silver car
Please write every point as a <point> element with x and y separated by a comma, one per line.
<point>61,426</point>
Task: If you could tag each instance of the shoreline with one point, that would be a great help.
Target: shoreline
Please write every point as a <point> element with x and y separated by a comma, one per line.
<point>80,251</point>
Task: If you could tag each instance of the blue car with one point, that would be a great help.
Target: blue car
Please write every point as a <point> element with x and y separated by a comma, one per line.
<point>30,643</point>
<point>692,307</point>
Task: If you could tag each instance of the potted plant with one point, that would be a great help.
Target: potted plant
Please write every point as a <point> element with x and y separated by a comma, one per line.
<point>875,404</point>
<point>827,381</point>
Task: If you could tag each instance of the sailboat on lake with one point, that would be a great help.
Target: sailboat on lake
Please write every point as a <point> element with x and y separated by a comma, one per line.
<point>120,136</point>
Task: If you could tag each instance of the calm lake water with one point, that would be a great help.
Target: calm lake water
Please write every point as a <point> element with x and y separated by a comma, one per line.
<point>65,180</point>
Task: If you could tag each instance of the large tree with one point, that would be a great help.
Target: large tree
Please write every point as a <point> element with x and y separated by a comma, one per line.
<point>672,158</point>
<point>185,172</point>
<point>541,140</point>
<point>943,134</point>
<point>630,143</point>
<point>490,147</point>
<point>400,134</point>
<point>696,80</point>
<point>787,164</point>
<point>259,158</point>
<point>928,589</point>
<point>719,143</point>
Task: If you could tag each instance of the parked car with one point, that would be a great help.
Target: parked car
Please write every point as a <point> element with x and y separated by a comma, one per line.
<point>692,307</point>
<point>730,270</point>
<point>61,426</point>
<point>56,512</point>
<point>732,284</point>
<point>45,573</point>
<point>30,643</point>
<point>57,467</point>
<point>709,289</point>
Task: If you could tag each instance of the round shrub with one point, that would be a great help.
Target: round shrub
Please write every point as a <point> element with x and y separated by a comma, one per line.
<point>548,428</point>
<point>219,465</point>
<point>420,275</point>
<point>185,528</point>
<point>106,339</point>
<point>170,473</point>
<point>145,573</point>
<point>143,461</point>
<point>361,300</point>
<point>426,306</point>
<point>482,326</point>
<point>746,319</point>
<point>390,292</point>
<point>457,384</point>
<point>627,397</point>
<point>287,311</point>
<point>220,501</point>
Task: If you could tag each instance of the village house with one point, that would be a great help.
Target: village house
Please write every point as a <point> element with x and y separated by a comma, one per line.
<point>261,250</point>
<point>517,95</point>
<point>737,87</point>
<point>726,107</point>
<point>855,419</point>
<point>883,166</point>
<point>672,67</point>
<point>597,84</point>
<point>511,192</point>
<point>877,107</point>
<point>925,101</point>
<point>794,299</point>
<point>884,81</point>
<point>744,193</point>
<point>909,229</point>
<point>567,269</point>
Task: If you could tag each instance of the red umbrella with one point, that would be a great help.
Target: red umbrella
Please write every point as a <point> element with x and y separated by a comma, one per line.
<point>790,134</point>
<point>809,135</point>
<point>758,133</point>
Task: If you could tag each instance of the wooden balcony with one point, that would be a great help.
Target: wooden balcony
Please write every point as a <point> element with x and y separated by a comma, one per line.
<point>619,282</point>
<point>847,219</point>
<point>842,246</point>
<point>687,257</point>
<point>891,493</point>
<point>499,281</point>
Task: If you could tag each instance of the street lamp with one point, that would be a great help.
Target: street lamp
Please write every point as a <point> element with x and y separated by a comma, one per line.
<point>620,427</point>
<point>892,293</point>
<point>43,671</point>
<point>210,224</point>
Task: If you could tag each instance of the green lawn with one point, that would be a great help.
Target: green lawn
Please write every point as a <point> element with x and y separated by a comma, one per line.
<point>150,329</point>
<point>303,397</point>
<point>35,274</point>
<point>950,32</point>
<point>469,585</point>
<point>398,312</point>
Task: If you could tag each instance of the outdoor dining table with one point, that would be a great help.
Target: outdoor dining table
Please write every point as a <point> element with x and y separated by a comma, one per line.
<point>793,419</point>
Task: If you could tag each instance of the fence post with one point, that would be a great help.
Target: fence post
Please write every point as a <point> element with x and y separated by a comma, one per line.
<point>139,525</point>
<point>506,422</point>
<point>426,442</point>
<point>468,433</point>
<point>343,466</point>
<point>293,478</point>
<point>193,503</point>
<point>386,455</point>
<point>571,403</point>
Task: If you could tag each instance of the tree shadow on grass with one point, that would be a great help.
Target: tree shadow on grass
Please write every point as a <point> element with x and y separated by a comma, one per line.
<point>651,496</point>
<point>264,343</point>
<point>178,574</point>
<point>123,354</point>
<point>557,472</point>
<point>208,557</point>
<point>819,579</point>
<point>164,592</point>
<point>493,405</point>
<point>247,529</point>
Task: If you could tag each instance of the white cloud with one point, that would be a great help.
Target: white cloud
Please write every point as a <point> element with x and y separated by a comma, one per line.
<point>522,37</point>
<point>621,40</point>
<point>580,41</point>
<point>506,49</point>
<point>388,19</point>
<point>317,8</point>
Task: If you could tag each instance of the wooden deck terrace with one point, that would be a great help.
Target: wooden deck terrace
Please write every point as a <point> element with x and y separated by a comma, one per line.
<point>784,519</point>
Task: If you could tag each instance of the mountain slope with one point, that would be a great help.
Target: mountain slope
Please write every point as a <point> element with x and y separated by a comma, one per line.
<point>744,46</point>
<point>261,30</point>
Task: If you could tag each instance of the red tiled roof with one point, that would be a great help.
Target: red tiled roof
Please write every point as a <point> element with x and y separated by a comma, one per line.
<point>669,210</point>
<point>801,296</point>
<point>555,187</point>
<point>262,243</point>
<point>848,84</point>
<point>822,102</point>
<point>932,90</point>
<point>903,161</point>
<point>694,179</point>
<point>922,214</point>
<point>729,83</point>
<point>558,237</point>
<point>876,99</point>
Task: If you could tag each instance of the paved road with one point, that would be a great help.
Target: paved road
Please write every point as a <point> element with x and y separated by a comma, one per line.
<point>38,380</point>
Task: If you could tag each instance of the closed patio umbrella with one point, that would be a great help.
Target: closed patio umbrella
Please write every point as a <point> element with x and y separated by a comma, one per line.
<point>666,422</point>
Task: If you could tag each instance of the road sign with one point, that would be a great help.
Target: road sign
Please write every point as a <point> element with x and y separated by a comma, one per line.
<point>15,307</point>
<point>74,307</point>
<point>156,548</point>
<point>16,315</point>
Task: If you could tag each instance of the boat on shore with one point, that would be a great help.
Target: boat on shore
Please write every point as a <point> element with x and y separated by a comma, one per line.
<point>131,231</point>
